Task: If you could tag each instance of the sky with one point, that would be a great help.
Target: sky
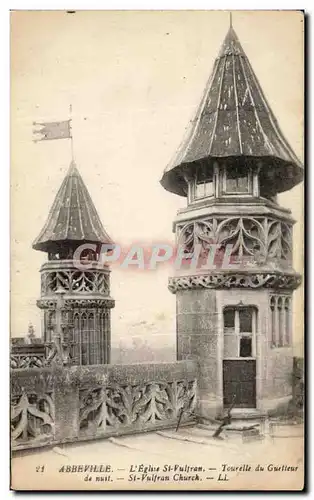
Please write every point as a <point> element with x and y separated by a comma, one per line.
<point>134,80</point>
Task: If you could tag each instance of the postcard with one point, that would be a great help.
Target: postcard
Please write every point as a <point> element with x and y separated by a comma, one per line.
<point>157,250</point>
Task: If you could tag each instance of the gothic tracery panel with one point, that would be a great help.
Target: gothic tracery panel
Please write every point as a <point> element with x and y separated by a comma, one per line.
<point>259,238</point>
<point>286,241</point>
<point>74,281</point>
<point>26,361</point>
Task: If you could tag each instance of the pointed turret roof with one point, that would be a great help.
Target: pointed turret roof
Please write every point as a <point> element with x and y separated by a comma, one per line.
<point>234,120</point>
<point>72,217</point>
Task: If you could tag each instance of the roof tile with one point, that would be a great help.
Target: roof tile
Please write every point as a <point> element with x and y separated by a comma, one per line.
<point>234,119</point>
<point>72,217</point>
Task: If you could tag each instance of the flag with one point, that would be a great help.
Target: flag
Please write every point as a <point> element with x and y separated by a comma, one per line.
<point>53,130</point>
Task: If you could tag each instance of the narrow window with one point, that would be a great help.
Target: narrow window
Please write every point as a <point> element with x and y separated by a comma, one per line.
<point>245,347</point>
<point>91,339</point>
<point>273,322</point>
<point>237,181</point>
<point>229,317</point>
<point>77,339</point>
<point>246,331</point>
<point>104,329</point>
<point>266,191</point>
<point>281,324</point>
<point>85,339</point>
<point>245,316</point>
<point>288,321</point>
<point>239,332</point>
<point>230,336</point>
<point>204,185</point>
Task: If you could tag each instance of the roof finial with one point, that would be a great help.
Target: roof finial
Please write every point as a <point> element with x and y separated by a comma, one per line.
<point>230,19</point>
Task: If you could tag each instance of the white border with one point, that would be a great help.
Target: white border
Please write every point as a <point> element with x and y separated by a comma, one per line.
<point>5,6</point>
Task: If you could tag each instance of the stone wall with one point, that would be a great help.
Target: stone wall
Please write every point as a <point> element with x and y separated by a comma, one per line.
<point>57,405</point>
<point>278,384</point>
<point>197,338</point>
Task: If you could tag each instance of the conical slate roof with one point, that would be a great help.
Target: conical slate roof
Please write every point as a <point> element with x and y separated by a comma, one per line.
<point>234,120</point>
<point>72,217</point>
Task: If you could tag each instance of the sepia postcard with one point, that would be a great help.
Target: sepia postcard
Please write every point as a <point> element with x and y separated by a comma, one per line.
<point>157,250</point>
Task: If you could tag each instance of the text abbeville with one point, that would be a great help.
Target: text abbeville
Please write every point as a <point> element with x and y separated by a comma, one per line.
<point>85,468</point>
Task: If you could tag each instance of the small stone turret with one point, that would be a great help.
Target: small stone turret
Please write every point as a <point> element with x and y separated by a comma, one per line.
<point>82,322</point>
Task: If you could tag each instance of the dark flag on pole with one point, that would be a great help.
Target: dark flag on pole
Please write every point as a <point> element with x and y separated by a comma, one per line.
<point>53,130</point>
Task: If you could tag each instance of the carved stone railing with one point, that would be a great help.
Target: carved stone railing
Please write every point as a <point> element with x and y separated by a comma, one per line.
<point>64,275</point>
<point>260,239</point>
<point>27,356</point>
<point>59,405</point>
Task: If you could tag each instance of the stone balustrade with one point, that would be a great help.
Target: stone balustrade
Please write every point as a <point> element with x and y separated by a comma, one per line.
<point>27,355</point>
<point>57,404</point>
<point>64,275</point>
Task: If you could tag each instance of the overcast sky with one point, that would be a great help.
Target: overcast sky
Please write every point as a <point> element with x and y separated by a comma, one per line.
<point>134,80</point>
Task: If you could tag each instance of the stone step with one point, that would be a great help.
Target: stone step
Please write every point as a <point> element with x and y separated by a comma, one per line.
<point>196,438</point>
<point>239,414</point>
<point>235,426</point>
<point>246,431</point>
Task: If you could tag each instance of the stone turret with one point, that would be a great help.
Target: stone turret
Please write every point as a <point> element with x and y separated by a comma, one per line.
<point>76,300</point>
<point>235,317</point>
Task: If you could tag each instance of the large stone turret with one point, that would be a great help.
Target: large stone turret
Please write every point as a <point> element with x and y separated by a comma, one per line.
<point>235,318</point>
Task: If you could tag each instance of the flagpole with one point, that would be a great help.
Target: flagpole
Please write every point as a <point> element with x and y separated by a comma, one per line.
<point>72,148</point>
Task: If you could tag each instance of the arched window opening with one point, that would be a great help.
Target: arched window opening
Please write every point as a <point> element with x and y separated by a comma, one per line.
<point>92,340</point>
<point>273,321</point>
<point>288,321</point>
<point>84,339</point>
<point>281,324</point>
<point>280,310</point>
<point>76,351</point>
